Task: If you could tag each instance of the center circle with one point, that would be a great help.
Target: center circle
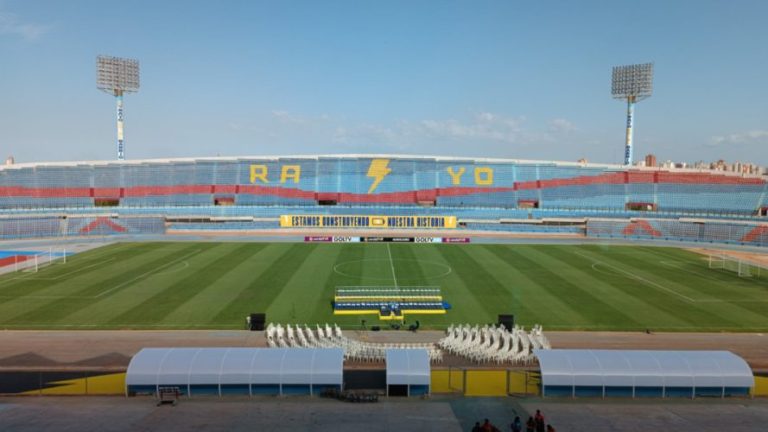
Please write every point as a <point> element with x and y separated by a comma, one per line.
<point>380,269</point>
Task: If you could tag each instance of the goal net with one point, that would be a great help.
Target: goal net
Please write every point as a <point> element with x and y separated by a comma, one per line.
<point>39,261</point>
<point>739,266</point>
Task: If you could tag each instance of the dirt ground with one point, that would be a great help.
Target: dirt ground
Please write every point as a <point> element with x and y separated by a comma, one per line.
<point>394,414</point>
<point>113,349</point>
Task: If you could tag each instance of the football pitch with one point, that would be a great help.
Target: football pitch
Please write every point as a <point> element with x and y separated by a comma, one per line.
<point>168,285</point>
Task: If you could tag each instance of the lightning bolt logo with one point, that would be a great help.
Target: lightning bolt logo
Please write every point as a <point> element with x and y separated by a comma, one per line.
<point>377,171</point>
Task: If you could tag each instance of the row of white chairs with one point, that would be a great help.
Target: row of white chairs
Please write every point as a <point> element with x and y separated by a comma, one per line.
<point>492,344</point>
<point>332,337</point>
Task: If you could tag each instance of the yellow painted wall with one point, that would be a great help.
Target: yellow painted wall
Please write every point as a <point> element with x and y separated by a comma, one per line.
<point>447,381</point>
<point>486,383</point>
<point>65,387</point>
<point>109,384</point>
<point>524,382</point>
<point>761,386</point>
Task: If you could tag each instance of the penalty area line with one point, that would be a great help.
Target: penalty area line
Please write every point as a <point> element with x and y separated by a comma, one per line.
<point>148,273</point>
<point>640,278</point>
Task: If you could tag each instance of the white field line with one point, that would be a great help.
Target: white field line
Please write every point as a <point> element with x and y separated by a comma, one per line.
<point>594,267</point>
<point>43,297</point>
<point>64,274</point>
<point>337,266</point>
<point>640,278</point>
<point>388,286</point>
<point>213,327</point>
<point>32,275</point>
<point>149,272</point>
<point>121,326</point>
<point>392,265</point>
<point>661,328</point>
<point>678,265</point>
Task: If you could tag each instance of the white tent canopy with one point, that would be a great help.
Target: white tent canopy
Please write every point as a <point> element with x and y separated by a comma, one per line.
<point>409,367</point>
<point>245,367</point>
<point>643,369</point>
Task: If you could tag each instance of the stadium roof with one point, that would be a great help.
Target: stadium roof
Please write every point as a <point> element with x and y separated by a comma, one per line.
<point>637,368</point>
<point>408,367</point>
<point>457,159</point>
<point>216,366</point>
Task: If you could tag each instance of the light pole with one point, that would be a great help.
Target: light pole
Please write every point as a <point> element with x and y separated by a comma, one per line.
<point>117,76</point>
<point>632,83</point>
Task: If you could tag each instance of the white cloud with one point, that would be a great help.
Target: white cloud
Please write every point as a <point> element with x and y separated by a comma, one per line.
<point>749,137</point>
<point>10,24</point>
<point>485,133</point>
<point>562,125</point>
<point>484,127</point>
<point>480,134</point>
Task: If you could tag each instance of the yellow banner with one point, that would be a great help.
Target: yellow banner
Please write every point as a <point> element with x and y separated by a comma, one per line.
<point>357,221</point>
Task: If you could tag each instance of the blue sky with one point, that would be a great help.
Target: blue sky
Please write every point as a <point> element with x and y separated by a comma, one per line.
<point>519,79</point>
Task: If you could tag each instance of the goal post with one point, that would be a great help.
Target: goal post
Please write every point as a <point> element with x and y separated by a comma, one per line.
<point>35,262</point>
<point>741,267</point>
<point>717,261</point>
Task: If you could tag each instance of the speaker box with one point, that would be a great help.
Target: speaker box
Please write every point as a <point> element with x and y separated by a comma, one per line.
<point>508,321</point>
<point>257,321</point>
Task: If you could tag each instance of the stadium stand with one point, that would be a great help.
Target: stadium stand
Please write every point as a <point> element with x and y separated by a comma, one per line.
<point>156,196</point>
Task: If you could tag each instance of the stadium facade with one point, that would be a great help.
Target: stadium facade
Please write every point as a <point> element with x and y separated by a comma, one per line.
<point>380,191</point>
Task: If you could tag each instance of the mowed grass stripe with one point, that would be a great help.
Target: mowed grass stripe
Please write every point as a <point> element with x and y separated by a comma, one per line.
<point>553,306</point>
<point>572,290</point>
<point>163,301</point>
<point>543,305</point>
<point>698,313</point>
<point>713,296</point>
<point>417,264</point>
<point>202,307</point>
<point>470,293</point>
<point>82,292</point>
<point>353,255</point>
<point>623,297</point>
<point>262,290</point>
<point>74,264</point>
<point>14,284</point>
<point>106,307</point>
<point>215,285</point>
<point>718,288</point>
<point>409,267</point>
<point>713,282</point>
<point>514,284</point>
<point>307,292</point>
<point>31,281</point>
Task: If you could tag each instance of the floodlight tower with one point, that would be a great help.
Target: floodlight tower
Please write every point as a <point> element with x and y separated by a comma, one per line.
<point>117,76</point>
<point>633,83</point>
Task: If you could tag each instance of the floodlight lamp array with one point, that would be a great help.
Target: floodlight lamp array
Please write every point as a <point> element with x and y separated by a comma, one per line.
<point>117,75</point>
<point>632,81</point>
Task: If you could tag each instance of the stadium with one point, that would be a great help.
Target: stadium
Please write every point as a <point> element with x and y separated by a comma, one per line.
<point>435,244</point>
<point>367,276</point>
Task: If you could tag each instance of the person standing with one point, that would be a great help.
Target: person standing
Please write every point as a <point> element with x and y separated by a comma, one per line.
<point>489,427</point>
<point>530,425</point>
<point>517,425</point>
<point>539,418</point>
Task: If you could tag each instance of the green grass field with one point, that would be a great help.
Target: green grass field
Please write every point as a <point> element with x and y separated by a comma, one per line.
<point>215,285</point>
